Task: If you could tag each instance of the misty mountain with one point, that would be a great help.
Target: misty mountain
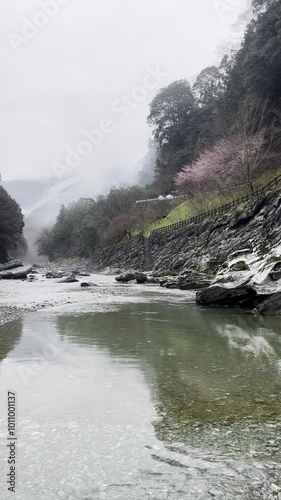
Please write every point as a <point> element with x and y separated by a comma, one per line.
<point>28,192</point>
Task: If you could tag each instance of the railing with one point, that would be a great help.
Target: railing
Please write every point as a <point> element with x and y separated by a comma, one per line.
<point>160,200</point>
<point>220,210</point>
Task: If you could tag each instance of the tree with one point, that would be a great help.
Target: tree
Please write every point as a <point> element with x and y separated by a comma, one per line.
<point>236,159</point>
<point>261,5</point>
<point>11,224</point>
<point>208,86</point>
<point>121,227</point>
<point>170,112</point>
<point>45,243</point>
<point>147,173</point>
<point>257,65</point>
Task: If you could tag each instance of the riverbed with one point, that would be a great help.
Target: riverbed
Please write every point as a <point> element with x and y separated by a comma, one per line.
<point>134,392</point>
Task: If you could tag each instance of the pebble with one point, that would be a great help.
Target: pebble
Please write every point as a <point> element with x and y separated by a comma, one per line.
<point>275,488</point>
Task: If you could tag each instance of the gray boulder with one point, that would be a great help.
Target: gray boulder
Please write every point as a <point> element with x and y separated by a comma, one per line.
<point>16,274</point>
<point>194,285</point>
<point>69,279</point>
<point>271,305</point>
<point>216,295</point>
<point>141,278</point>
<point>126,277</point>
<point>11,264</point>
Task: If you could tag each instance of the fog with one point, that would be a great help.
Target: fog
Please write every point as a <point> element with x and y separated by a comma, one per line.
<point>86,70</point>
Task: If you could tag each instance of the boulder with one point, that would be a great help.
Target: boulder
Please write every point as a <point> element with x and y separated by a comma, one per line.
<point>163,282</point>
<point>194,285</point>
<point>16,274</point>
<point>126,277</point>
<point>141,278</point>
<point>275,275</point>
<point>86,284</point>
<point>11,265</point>
<point>216,295</point>
<point>55,274</point>
<point>69,279</point>
<point>153,281</point>
<point>172,285</point>
<point>271,305</point>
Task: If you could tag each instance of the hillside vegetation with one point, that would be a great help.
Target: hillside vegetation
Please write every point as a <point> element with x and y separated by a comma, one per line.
<point>11,225</point>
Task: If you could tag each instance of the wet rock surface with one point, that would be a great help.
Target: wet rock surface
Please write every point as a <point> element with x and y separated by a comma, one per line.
<point>244,244</point>
<point>218,295</point>
<point>88,284</point>
<point>126,277</point>
<point>271,306</point>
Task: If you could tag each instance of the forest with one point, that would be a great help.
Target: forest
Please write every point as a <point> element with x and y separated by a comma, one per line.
<point>11,225</point>
<point>212,138</point>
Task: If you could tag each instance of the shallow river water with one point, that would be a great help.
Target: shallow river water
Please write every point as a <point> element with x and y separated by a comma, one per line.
<point>133,392</point>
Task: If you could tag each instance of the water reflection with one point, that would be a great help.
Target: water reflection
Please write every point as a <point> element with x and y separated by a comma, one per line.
<point>201,365</point>
<point>10,335</point>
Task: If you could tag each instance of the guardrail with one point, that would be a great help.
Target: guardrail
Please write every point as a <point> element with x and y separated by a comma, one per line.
<point>160,200</point>
<point>220,210</point>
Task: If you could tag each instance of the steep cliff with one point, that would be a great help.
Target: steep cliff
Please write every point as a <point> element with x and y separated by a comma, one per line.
<point>251,229</point>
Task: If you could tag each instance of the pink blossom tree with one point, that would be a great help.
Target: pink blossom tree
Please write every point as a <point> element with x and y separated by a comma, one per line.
<point>235,159</point>
<point>229,162</point>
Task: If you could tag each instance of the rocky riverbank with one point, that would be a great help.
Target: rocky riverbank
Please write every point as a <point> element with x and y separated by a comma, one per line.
<point>233,259</point>
<point>30,288</point>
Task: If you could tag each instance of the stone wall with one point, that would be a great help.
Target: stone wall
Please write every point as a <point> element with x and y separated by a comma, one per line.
<point>127,256</point>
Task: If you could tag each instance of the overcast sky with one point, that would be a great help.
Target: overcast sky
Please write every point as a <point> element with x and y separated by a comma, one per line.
<point>68,76</point>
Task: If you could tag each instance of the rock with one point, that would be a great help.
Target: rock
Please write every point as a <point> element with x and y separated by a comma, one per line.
<point>86,284</point>
<point>69,279</point>
<point>83,274</point>
<point>126,277</point>
<point>239,266</point>
<point>275,488</point>
<point>141,278</point>
<point>11,265</point>
<point>217,295</point>
<point>153,281</point>
<point>194,285</point>
<point>54,274</point>
<point>16,274</point>
<point>275,275</point>
<point>271,305</point>
<point>172,285</point>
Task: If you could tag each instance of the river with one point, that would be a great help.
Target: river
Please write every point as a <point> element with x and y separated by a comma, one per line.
<point>134,392</point>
